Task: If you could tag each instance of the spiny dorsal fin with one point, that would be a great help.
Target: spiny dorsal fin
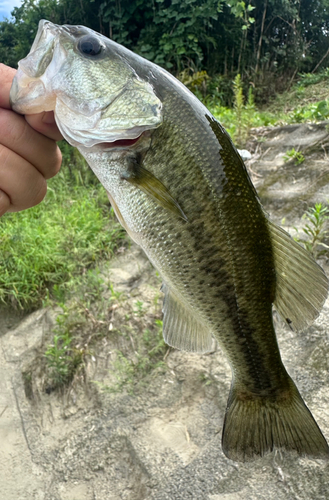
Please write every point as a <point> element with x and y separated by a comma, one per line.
<point>181,329</point>
<point>302,286</point>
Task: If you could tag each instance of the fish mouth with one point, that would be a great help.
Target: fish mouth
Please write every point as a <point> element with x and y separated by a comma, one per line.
<point>138,144</point>
<point>121,143</point>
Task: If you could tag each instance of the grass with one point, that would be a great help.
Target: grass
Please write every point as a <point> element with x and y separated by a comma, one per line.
<point>82,322</point>
<point>234,107</point>
<point>309,90</point>
<point>45,247</point>
<point>133,372</point>
<point>63,360</point>
<point>254,118</point>
<point>306,101</point>
<point>136,340</point>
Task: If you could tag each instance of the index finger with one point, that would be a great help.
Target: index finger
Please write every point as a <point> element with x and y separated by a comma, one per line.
<point>6,77</point>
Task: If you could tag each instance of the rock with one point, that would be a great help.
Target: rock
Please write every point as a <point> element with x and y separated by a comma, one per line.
<point>245,155</point>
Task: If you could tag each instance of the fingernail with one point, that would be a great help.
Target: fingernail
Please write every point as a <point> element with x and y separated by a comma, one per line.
<point>4,203</point>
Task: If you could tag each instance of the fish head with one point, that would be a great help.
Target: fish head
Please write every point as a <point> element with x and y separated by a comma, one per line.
<point>89,82</point>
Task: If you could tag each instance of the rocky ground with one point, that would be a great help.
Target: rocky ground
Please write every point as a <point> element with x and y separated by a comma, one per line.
<point>160,438</point>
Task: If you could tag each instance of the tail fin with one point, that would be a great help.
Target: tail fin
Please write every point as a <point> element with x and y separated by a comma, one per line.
<point>254,426</point>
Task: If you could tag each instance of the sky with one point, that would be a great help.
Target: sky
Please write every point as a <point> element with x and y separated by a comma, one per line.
<point>6,6</point>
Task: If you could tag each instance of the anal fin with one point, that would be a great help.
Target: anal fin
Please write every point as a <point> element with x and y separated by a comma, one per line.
<point>181,328</point>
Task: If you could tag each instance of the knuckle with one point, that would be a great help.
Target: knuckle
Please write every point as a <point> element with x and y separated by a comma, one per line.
<point>4,155</point>
<point>13,128</point>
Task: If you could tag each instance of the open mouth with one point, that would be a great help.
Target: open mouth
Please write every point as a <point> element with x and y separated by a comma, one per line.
<point>121,143</point>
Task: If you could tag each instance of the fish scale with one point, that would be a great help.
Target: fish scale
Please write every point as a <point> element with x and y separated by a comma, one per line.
<point>181,190</point>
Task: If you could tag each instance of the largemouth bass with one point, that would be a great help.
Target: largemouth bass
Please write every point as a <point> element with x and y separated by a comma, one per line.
<point>182,192</point>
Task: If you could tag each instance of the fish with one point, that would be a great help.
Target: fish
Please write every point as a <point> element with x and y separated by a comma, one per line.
<point>182,192</point>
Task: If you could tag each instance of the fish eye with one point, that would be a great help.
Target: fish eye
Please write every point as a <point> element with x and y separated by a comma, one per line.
<point>89,45</point>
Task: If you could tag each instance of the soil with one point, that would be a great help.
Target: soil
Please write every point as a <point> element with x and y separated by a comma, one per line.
<point>162,441</point>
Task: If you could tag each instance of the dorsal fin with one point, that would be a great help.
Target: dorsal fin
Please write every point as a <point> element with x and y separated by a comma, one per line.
<point>302,285</point>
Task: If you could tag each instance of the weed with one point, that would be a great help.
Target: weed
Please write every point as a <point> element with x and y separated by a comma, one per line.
<point>115,295</point>
<point>195,81</point>
<point>306,79</point>
<point>139,311</point>
<point>285,109</point>
<point>205,379</point>
<point>315,229</point>
<point>243,117</point>
<point>292,154</point>
<point>238,106</point>
<point>312,112</point>
<point>83,320</point>
<point>63,359</point>
<point>131,373</point>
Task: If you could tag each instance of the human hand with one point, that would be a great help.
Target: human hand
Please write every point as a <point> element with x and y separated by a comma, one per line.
<point>28,152</point>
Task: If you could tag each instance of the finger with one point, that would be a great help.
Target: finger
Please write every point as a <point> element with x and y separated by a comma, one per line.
<point>35,148</point>
<point>45,124</point>
<point>4,202</point>
<point>6,77</point>
<point>24,185</point>
<point>41,122</point>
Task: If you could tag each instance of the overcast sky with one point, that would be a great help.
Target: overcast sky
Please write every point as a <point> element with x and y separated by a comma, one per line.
<point>6,6</point>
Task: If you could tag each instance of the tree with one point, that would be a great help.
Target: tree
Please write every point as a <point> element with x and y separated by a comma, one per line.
<point>267,42</point>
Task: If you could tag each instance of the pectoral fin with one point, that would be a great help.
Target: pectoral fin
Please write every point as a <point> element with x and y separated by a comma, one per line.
<point>137,175</point>
<point>302,286</point>
<point>181,328</point>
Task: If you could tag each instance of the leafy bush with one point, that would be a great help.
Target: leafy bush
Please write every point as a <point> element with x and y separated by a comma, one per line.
<point>317,111</point>
<point>307,79</point>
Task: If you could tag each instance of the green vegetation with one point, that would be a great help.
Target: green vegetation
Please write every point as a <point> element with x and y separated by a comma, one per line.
<point>133,373</point>
<point>315,229</point>
<point>63,360</point>
<point>83,321</point>
<point>45,247</point>
<point>50,256</point>
<point>239,120</point>
<point>238,107</point>
<point>309,89</point>
<point>268,43</point>
<point>205,379</point>
<point>222,50</point>
<point>292,154</point>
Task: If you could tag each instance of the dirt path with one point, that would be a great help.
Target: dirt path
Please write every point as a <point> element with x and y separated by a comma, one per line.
<point>20,477</point>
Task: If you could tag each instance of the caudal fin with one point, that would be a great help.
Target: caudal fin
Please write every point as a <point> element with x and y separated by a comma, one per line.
<point>254,426</point>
